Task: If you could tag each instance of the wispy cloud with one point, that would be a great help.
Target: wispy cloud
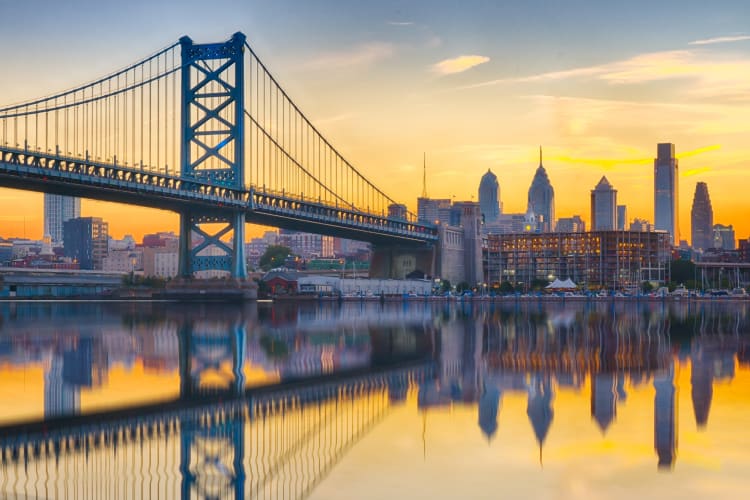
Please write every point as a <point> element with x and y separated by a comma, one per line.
<point>459,64</point>
<point>721,39</point>
<point>362,55</point>
<point>400,23</point>
<point>706,74</point>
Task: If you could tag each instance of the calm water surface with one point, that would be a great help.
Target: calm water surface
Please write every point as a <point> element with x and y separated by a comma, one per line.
<point>363,400</point>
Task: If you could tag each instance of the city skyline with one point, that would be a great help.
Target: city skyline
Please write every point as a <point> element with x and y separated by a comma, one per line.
<point>454,83</point>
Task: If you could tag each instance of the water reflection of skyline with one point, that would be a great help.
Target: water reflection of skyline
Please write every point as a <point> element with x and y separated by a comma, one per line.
<point>478,357</point>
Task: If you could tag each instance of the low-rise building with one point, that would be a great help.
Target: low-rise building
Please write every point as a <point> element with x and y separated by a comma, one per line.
<point>598,259</point>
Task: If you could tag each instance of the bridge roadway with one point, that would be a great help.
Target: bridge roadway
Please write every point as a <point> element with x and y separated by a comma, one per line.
<point>133,185</point>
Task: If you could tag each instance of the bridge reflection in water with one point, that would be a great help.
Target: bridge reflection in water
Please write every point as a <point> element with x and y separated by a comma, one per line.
<point>219,438</point>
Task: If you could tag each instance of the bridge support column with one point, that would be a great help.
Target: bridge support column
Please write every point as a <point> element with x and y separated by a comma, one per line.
<point>213,150</point>
<point>399,261</point>
<point>212,252</point>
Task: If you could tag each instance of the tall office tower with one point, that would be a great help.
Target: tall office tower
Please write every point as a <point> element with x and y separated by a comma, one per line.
<point>489,197</point>
<point>603,206</point>
<point>666,192</point>
<point>541,199</point>
<point>57,210</point>
<point>701,219</point>
<point>622,217</point>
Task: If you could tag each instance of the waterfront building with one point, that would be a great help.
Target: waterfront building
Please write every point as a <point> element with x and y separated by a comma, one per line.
<point>123,261</point>
<point>622,217</point>
<point>307,245</point>
<point>570,225</point>
<point>597,259</point>
<point>86,241</point>
<point>57,210</point>
<point>701,218</point>
<point>489,197</point>
<point>723,237</point>
<point>603,206</point>
<point>744,250</point>
<point>666,192</point>
<point>6,253</point>
<point>541,199</point>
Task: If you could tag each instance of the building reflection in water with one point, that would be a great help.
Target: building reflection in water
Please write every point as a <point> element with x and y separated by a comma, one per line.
<point>338,372</point>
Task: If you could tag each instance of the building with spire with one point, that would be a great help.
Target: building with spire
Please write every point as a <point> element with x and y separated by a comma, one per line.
<point>541,200</point>
<point>701,218</point>
<point>603,206</point>
<point>666,192</point>
<point>489,197</point>
<point>429,210</point>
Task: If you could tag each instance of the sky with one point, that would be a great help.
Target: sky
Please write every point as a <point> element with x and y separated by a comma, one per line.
<point>474,85</point>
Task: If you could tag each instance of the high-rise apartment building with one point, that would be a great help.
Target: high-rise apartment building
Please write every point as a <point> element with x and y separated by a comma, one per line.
<point>603,206</point>
<point>86,241</point>
<point>541,199</point>
<point>701,219</point>
<point>489,197</point>
<point>57,210</point>
<point>666,192</point>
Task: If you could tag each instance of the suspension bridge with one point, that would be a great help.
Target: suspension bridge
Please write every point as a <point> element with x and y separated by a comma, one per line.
<point>206,131</point>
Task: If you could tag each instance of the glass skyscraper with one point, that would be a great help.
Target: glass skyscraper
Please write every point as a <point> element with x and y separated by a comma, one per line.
<point>489,197</point>
<point>57,210</point>
<point>666,192</point>
<point>603,206</point>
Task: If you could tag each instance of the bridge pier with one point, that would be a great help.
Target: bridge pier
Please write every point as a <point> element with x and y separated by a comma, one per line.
<point>398,261</point>
<point>212,252</point>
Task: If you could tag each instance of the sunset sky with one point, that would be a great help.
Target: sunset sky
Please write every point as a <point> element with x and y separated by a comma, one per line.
<point>473,84</point>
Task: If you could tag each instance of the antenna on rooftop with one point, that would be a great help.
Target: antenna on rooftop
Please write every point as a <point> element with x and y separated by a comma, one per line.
<point>424,175</point>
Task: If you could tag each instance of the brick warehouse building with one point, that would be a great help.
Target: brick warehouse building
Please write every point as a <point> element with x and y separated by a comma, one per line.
<point>593,260</point>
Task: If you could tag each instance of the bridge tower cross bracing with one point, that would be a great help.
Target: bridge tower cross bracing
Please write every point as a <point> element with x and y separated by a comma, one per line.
<point>212,150</point>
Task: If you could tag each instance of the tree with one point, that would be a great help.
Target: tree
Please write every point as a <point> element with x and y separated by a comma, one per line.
<point>445,286</point>
<point>274,257</point>
<point>463,286</point>
<point>682,271</point>
<point>538,284</point>
<point>506,287</point>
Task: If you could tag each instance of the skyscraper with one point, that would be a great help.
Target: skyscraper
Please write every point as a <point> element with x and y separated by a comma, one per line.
<point>603,206</point>
<point>666,192</point>
<point>57,210</point>
<point>701,218</point>
<point>542,197</point>
<point>622,217</point>
<point>489,197</point>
